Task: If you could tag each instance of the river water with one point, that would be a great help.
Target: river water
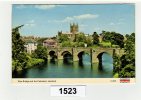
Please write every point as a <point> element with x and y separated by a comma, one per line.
<point>68,69</point>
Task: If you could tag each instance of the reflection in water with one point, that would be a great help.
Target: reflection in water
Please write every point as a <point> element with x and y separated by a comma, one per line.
<point>81,65</point>
<point>68,69</point>
<point>67,59</point>
<point>52,60</point>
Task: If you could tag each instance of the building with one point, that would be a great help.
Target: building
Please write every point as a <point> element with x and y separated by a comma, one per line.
<point>50,43</point>
<point>30,47</point>
<point>74,29</point>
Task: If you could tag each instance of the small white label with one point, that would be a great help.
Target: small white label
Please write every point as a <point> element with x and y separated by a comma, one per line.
<point>68,90</point>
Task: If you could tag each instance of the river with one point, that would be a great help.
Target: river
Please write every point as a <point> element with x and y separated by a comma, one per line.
<point>68,69</point>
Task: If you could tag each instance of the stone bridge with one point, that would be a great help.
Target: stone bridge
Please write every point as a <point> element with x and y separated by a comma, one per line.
<point>95,54</point>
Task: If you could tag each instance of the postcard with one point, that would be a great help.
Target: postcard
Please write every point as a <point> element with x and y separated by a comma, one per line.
<point>73,43</point>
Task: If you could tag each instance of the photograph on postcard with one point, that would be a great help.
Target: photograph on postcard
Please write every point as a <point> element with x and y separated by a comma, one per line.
<point>69,41</point>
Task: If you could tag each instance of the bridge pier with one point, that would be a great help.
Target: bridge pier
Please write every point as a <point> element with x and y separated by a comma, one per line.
<point>48,57</point>
<point>75,54</point>
<point>59,55</point>
<point>94,58</point>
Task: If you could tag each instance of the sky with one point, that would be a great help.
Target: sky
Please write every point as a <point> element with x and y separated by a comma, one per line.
<point>47,20</point>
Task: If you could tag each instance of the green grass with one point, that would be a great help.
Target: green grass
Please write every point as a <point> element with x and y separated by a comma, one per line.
<point>95,46</point>
<point>105,44</point>
<point>33,61</point>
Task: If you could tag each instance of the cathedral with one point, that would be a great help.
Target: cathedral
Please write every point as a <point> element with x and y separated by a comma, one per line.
<point>74,29</point>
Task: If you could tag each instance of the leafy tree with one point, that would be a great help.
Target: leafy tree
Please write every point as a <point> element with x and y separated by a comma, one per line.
<point>17,43</point>
<point>95,38</point>
<point>127,61</point>
<point>19,57</point>
<point>107,36</point>
<point>63,37</point>
<point>40,41</point>
<point>117,39</point>
<point>80,37</point>
<point>40,52</point>
<point>81,44</point>
<point>66,44</point>
<point>88,41</point>
<point>114,38</point>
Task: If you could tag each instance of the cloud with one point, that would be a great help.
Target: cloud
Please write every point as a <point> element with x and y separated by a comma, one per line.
<point>118,23</point>
<point>30,23</point>
<point>79,17</point>
<point>86,16</point>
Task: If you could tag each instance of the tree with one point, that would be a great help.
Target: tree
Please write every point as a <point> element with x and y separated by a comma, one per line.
<point>66,44</point>
<point>117,39</point>
<point>107,36</point>
<point>17,43</point>
<point>114,38</point>
<point>89,41</point>
<point>95,38</point>
<point>19,57</point>
<point>41,40</point>
<point>40,52</point>
<point>80,37</point>
<point>127,61</point>
<point>130,49</point>
<point>63,37</point>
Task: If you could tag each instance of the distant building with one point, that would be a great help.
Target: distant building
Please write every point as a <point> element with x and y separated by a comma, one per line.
<point>74,29</point>
<point>30,47</point>
<point>50,43</point>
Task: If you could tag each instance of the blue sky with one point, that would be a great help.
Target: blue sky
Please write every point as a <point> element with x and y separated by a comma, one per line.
<point>47,20</point>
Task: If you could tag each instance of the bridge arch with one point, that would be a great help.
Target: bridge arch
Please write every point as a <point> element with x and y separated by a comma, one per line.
<point>52,54</point>
<point>67,57</point>
<point>81,53</point>
<point>99,56</point>
<point>66,53</point>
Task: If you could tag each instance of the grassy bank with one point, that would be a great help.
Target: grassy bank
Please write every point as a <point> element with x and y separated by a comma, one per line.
<point>31,62</point>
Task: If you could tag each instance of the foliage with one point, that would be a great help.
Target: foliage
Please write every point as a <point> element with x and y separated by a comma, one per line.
<point>40,53</point>
<point>40,41</point>
<point>95,38</point>
<point>116,75</point>
<point>114,38</point>
<point>125,65</point>
<point>105,44</point>
<point>72,44</point>
<point>63,38</point>
<point>33,61</point>
<point>117,39</point>
<point>88,41</point>
<point>67,44</point>
<point>19,57</point>
<point>80,37</point>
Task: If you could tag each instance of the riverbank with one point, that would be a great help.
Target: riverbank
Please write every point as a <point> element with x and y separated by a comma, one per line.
<point>31,62</point>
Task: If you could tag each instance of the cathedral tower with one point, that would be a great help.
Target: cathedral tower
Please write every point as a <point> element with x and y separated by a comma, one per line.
<point>74,28</point>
